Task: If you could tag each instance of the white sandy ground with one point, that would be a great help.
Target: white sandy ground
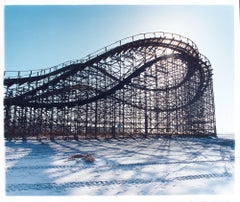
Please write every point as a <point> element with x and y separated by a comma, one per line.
<point>163,166</point>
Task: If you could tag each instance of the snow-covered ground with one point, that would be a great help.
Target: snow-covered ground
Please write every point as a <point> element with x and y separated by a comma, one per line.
<point>154,166</point>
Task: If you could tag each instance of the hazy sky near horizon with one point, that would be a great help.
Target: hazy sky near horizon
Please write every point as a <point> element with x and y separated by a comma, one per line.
<point>43,36</point>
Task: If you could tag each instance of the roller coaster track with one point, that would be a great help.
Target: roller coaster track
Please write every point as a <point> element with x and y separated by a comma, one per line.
<point>151,72</point>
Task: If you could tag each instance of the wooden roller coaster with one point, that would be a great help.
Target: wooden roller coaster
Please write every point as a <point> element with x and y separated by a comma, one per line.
<point>145,85</point>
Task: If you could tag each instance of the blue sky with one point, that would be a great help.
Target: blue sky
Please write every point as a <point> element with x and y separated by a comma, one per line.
<point>43,36</point>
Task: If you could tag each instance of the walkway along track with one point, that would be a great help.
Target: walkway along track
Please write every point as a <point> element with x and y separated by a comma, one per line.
<point>149,84</point>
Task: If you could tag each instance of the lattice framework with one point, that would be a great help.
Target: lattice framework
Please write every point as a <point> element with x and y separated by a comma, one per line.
<point>145,85</point>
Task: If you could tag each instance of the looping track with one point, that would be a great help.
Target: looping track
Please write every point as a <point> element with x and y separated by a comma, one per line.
<point>152,83</point>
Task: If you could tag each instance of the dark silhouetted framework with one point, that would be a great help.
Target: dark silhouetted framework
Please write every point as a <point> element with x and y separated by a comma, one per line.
<point>145,85</point>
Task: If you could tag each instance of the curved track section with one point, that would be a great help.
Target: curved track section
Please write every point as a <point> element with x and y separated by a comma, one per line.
<point>148,84</point>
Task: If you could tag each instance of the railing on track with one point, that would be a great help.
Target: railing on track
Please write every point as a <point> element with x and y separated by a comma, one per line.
<point>40,72</point>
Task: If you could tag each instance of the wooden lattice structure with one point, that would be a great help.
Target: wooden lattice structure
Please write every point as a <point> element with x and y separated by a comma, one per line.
<point>146,85</point>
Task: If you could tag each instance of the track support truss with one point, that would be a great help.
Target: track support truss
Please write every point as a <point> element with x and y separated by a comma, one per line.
<point>146,85</point>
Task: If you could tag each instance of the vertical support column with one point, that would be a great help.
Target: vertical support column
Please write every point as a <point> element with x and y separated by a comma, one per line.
<point>86,121</point>
<point>146,108</point>
<point>23,123</point>
<point>51,123</point>
<point>7,125</point>
<point>96,130</point>
<point>96,119</point>
<point>123,114</point>
<point>114,119</point>
<point>212,106</point>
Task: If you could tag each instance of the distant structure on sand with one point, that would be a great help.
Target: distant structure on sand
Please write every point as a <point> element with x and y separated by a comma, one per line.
<point>150,84</point>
